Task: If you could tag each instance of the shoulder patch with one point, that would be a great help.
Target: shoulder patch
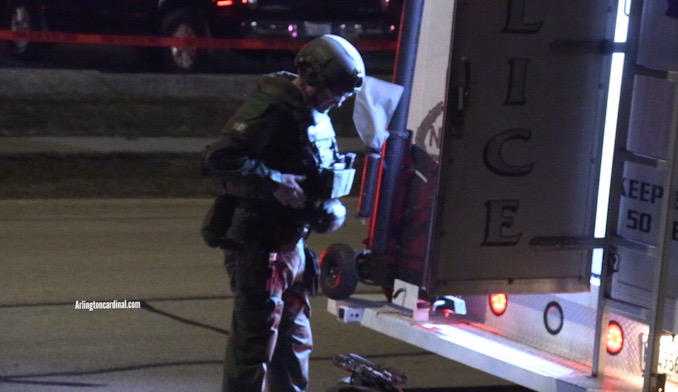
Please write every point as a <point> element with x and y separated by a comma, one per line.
<point>239,126</point>
<point>254,107</point>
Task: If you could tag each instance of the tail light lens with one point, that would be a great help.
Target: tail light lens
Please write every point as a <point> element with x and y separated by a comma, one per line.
<point>498,303</point>
<point>615,338</point>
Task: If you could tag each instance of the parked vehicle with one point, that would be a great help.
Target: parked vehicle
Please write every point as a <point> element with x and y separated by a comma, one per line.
<point>276,19</point>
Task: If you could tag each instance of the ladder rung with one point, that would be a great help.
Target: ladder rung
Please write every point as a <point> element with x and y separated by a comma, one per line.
<point>635,312</point>
<point>655,72</point>
<point>643,160</point>
<point>621,242</point>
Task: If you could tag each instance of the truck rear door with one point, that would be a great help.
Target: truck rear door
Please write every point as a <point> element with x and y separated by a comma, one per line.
<point>520,147</point>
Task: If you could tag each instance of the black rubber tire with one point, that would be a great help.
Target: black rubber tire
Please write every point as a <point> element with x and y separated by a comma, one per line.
<point>22,15</point>
<point>188,23</point>
<point>338,276</point>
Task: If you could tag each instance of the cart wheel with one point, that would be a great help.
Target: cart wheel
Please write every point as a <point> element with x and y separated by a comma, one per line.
<point>23,16</point>
<point>338,277</point>
<point>184,23</point>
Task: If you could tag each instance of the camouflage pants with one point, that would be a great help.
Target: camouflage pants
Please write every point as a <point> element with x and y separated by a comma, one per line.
<point>270,338</point>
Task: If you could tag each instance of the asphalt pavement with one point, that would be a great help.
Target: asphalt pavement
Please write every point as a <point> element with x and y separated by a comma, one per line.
<point>57,254</point>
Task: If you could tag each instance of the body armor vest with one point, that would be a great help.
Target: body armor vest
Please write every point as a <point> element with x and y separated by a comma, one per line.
<point>334,174</point>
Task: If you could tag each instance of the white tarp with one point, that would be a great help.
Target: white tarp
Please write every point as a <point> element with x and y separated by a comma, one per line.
<point>375,104</point>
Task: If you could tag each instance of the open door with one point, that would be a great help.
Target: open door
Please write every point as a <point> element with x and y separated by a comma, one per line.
<point>520,151</point>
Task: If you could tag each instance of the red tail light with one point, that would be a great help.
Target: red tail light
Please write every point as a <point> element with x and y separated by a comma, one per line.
<point>498,303</point>
<point>615,338</point>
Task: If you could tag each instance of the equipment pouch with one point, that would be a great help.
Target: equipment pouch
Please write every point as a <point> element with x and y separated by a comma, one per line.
<point>335,183</point>
<point>218,219</point>
<point>311,272</point>
<point>342,182</point>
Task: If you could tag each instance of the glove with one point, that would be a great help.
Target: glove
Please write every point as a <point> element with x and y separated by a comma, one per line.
<point>289,192</point>
<point>329,215</point>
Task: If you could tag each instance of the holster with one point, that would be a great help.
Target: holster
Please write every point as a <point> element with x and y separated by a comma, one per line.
<point>329,183</point>
<point>311,272</point>
<point>218,219</point>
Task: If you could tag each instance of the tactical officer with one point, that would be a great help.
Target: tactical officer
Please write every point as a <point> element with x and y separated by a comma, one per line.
<point>270,157</point>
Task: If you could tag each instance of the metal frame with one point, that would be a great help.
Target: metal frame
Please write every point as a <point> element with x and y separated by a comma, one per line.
<point>654,316</point>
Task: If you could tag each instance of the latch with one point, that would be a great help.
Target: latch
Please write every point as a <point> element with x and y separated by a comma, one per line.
<point>567,243</point>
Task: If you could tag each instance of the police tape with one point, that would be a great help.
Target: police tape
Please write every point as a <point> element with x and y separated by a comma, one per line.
<point>155,41</point>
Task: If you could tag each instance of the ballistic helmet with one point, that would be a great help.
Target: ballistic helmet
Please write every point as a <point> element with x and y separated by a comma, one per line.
<point>332,62</point>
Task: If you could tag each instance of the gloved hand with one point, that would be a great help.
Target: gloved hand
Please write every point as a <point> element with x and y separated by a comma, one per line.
<point>289,192</point>
<point>328,216</point>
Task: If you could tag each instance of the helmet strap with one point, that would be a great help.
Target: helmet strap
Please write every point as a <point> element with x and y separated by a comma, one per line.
<point>309,101</point>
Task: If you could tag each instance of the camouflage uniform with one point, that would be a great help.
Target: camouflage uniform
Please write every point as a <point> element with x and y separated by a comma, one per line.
<point>270,134</point>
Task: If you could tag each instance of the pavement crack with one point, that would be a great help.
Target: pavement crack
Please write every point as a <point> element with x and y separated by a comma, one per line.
<point>15,378</point>
<point>146,306</point>
<point>51,383</point>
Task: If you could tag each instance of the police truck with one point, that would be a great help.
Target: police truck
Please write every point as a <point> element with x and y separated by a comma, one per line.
<point>521,193</point>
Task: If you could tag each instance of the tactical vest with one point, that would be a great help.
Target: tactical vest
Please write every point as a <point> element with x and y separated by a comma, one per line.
<point>334,173</point>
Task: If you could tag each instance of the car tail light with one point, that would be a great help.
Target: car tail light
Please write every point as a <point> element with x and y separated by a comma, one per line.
<point>224,3</point>
<point>615,338</point>
<point>498,303</point>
